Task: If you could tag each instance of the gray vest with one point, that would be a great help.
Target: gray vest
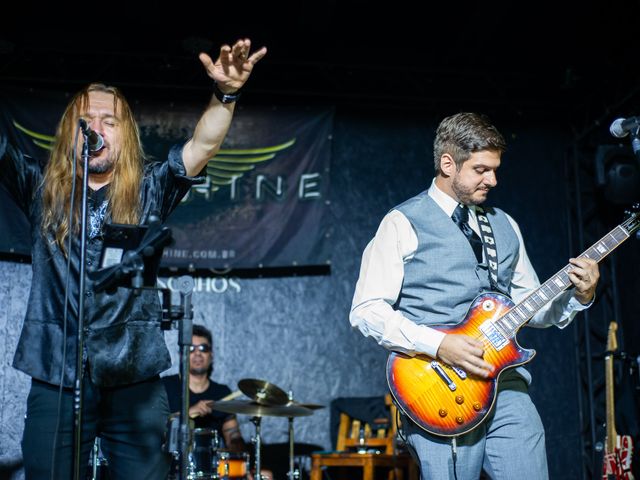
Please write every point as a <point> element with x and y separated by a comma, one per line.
<point>444,277</point>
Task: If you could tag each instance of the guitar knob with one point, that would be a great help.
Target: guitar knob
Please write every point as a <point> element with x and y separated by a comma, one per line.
<point>459,420</point>
<point>476,406</point>
<point>442,412</point>
<point>459,399</point>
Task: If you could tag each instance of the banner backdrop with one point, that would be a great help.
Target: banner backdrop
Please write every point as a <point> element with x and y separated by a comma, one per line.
<point>263,199</point>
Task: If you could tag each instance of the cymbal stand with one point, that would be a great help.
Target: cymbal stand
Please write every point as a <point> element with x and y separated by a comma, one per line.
<point>257,443</point>
<point>292,474</point>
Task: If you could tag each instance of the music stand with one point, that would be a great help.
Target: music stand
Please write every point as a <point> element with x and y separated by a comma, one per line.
<point>130,256</point>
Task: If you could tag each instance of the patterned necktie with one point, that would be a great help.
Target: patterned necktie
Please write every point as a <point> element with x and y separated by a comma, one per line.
<point>461,218</point>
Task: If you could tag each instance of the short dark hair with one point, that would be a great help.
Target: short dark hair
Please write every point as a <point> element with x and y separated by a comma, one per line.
<point>204,332</point>
<point>465,133</point>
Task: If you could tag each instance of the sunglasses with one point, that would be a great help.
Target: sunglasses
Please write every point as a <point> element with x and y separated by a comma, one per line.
<point>203,347</point>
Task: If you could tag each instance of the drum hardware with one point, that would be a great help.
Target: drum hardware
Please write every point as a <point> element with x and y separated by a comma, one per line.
<point>201,456</point>
<point>98,463</point>
<point>257,443</point>
<point>293,473</point>
<point>206,461</point>
<point>268,400</point>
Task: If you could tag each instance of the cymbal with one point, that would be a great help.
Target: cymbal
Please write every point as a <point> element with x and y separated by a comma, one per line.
<point>310,406</point>
<point>258,410</point>
<point>263,392</point>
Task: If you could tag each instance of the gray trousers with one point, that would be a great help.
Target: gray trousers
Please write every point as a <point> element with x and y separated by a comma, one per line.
<point>508,444</point>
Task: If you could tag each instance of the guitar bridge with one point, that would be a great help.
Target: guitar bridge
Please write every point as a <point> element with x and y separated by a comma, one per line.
<point>443,375</point>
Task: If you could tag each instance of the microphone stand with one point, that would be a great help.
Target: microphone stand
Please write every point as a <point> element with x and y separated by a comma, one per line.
<point>635,144</point>
<point>180,446</point>
<point>79,380</point>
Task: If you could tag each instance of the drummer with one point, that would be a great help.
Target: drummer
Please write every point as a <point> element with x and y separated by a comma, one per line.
<point>203,391</point>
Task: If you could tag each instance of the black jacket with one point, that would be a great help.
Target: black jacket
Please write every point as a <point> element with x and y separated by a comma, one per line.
<point>123,340</point>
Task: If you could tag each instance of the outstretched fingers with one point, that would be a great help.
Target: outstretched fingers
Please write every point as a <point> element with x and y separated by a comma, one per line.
<point>234,64</point>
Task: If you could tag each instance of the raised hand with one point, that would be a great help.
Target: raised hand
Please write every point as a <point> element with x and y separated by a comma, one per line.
<point>233,66</point>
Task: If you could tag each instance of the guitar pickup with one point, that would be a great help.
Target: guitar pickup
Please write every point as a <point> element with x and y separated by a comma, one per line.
<point>461,373</point>
<point>443,375</point>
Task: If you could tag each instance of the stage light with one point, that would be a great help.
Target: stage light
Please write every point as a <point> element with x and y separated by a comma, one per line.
<point>618,174</point>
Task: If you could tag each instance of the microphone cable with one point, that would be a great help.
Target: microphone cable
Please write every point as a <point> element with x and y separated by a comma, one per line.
<point>66,306</point>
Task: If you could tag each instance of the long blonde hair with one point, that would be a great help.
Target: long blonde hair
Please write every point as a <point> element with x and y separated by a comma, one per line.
<point>124,188</point>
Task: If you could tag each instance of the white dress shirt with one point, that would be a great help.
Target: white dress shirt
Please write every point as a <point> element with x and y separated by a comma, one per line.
<point>382,273</point>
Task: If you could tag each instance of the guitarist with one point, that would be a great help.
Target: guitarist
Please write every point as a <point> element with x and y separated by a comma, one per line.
<point>421,269</point>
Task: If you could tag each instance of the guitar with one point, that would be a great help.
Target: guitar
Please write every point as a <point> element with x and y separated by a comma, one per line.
<point>444,400</point>
<point>618,449</point>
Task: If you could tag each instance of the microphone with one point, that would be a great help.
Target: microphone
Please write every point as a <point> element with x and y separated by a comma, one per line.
<point>94,139</point>
<point>621,127</point>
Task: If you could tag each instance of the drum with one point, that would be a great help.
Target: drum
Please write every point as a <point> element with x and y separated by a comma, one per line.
<point>204,443</point>
<point>231,465</point>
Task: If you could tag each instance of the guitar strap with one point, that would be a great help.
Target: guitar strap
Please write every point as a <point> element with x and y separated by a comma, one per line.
<point>488,246</point>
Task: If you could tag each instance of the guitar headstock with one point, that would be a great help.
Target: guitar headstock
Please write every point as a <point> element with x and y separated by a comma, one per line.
<point>632,222</point>
<point>612,342</point>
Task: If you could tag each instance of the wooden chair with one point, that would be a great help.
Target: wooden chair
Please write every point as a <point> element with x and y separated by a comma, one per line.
<point>371,448</point>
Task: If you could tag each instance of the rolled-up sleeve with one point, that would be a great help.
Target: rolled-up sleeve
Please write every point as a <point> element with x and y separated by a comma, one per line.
<point>168,181</point>
<point>378,288</point>
<point>558,312</point>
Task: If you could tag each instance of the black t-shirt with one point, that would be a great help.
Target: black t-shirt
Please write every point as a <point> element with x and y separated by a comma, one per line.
<point>215,391</point>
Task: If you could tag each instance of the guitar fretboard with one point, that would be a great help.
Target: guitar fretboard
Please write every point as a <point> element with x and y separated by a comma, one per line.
<point>520,314</point>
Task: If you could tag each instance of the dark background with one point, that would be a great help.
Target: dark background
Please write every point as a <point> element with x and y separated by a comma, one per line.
<point>578,61</point>
<point>551,80</point>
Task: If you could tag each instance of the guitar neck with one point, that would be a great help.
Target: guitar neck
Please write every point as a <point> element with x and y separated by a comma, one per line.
<point>612,346</point>
<point>511,322</point>
<point>612,435</point>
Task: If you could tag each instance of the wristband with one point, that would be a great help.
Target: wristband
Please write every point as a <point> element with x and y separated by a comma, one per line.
<point>225,97</point>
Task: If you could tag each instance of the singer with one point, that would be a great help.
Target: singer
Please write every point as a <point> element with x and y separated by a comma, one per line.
<point>125,403</point>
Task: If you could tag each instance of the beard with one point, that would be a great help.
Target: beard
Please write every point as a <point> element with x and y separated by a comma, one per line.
<point>198,371</point>
<point>97,166</point>
<point>465,193</point>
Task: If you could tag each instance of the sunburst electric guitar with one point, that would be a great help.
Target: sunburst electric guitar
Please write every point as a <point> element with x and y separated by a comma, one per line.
<point>618,451</point>
<point>447,401</point>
